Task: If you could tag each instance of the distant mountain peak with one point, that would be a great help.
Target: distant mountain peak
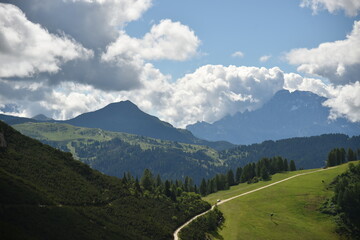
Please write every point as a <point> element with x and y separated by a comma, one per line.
<point>41,117</point>
<point>287,114</point>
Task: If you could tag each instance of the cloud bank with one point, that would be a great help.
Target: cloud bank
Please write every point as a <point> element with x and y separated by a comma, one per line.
<point>27,49</point>
<point>343,100</point>
<point>64,66</point>
<point>337,61</point>
<point>351,7</point>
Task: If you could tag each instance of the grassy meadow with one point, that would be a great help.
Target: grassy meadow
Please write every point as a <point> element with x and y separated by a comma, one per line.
<point>288,210</point>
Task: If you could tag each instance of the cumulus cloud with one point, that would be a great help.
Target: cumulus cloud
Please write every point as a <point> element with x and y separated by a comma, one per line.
<point>295,81</point>
<point>338,61</point>
<point>47,39</point>
<point>346,103</point>
<point>351,7</point>
<point>264,58</point>
<point>238,54</point>
<point>214,91</point>
<point>208,94</point>
<point>343,100</point>
<point>166,40</point>
<point>94,23</point>
<point>27,48</point>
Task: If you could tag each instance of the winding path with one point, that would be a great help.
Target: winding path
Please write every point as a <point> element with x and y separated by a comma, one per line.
<point>176,233</point>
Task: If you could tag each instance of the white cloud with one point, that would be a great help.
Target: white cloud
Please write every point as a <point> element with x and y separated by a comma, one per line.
<point>238,54</point>
<point>27,48</point>
<point>94,23</point>
<point>214,91</point>
<point>343,100</point>
<point>166,40</point>
<point>338,61</point>
<point>119,11</point>
<point>351,7</point>
<point>295,81</point>
<point>346,103</point>
<point>264,58</point>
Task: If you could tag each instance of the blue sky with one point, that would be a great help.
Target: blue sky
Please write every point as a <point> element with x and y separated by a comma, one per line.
<point>254,27</point>
<point>183,61</point>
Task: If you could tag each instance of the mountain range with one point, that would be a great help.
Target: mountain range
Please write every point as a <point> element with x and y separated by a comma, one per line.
<point>286,115</point>
<point>125,117</point>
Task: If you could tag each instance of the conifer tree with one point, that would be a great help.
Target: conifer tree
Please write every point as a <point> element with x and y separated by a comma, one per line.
<point>203,187</point>
<point>264,173</point>
<point>238,175</point>
<point>147,181</point>
<point>286,165</point>
<point>230,178</point>
<point>292,165</point>
<point>351,155</point>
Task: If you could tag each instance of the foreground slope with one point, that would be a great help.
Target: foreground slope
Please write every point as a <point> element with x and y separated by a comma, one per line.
<point>46,194</point>
<point>288,210</point>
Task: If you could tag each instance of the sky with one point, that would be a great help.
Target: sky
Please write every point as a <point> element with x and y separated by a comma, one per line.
<point>182,61</point>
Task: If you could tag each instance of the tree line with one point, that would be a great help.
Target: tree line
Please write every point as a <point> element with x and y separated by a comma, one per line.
<point>339,156</point>
<point>250,173</point>
<point>150,185</point>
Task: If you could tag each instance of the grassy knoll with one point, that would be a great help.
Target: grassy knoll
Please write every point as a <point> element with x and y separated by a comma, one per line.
<point>293,203</point>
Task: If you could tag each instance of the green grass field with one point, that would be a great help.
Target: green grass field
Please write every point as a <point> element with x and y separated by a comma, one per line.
<point>293,205</point>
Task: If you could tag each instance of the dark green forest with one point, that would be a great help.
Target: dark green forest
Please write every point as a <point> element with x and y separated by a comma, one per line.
<point>307,152</point>
<point>345,204</point>
<point>46,194</point>
<point>116,156</point>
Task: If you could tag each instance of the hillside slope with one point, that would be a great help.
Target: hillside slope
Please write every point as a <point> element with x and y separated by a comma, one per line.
<point>307,152</point>
<point>114,153</point>
<point>288,210</point>
<point>46,194</point>
<point>127,117</point>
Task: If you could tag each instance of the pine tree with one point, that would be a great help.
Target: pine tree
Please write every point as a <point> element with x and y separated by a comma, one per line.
<point>286,165</point>
<point>203,187</point>
<point>238,175</point>
<point>137,187</point>
<point>350,155</point>
<point>332,158</point>
<point>264,173</point>
<point>147,181</point>
<point>342,155</point>
<point>167,190</point>
<point>158,181</point>
<point>230,178</point>
<point>292,165</point>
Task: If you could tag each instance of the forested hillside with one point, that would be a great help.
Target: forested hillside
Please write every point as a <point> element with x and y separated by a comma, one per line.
<point>114,153</point>
<point>46,194</point>
<point>307,152</point>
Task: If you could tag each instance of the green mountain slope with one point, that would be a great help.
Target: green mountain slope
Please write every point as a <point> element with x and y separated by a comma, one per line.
<point>288,210</point>
<point>114,153</point>
<point>46,194</point>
